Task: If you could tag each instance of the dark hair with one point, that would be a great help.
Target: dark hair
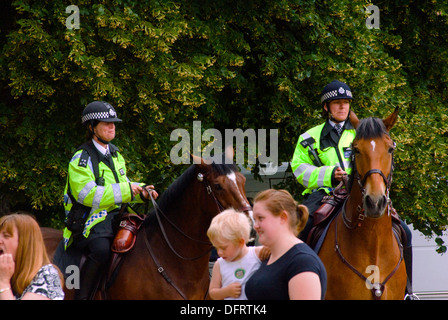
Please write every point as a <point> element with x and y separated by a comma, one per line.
<point>89,133</point>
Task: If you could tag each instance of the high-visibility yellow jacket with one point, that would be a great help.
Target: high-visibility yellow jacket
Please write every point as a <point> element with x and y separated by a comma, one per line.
<point>102,199</point>
<point>333,152</point>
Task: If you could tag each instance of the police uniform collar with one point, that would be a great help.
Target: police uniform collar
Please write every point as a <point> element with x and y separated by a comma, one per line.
<point>100,148</point>
<point>328,127</point>
<point>332,123</point>
<point>112,148</point>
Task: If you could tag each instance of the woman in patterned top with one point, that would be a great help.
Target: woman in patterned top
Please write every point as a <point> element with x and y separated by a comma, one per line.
<point>25,269</point>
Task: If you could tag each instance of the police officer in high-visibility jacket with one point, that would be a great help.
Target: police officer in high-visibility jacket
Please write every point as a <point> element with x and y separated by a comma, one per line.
<point>322,154</point>
<point>97,186</point>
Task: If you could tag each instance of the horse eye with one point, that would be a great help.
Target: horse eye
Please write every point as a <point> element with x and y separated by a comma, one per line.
<point>218,186</point>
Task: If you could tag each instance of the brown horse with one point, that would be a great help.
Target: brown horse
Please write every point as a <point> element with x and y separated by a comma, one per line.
<point>361,253</point>
<point>171,254</point>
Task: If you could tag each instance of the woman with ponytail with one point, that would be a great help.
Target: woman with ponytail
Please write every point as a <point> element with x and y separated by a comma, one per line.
<point>293,271</point>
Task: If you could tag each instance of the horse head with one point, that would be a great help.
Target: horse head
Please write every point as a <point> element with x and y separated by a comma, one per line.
<point>224,183</point>
<point>372,162</point>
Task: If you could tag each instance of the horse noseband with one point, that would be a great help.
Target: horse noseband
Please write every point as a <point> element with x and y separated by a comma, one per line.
<point>387,181</point>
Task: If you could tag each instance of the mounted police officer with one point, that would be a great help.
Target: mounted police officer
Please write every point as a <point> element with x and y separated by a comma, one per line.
<point>322,157</point>
<point>97,186</point>
<point>322,154</point>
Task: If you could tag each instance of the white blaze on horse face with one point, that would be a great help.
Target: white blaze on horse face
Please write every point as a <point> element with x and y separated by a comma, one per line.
<point>232,177</point>
<point>373,145</point>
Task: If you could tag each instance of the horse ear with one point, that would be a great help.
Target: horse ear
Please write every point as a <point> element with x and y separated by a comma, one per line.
<point>353,119</point>
<point>390,120</point>
<point>199,161</point>
<point>229,153</point>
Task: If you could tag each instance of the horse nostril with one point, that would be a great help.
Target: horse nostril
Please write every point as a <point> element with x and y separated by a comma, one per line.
<point>383,202</point>
<point>375,203</point>
<point>369,202</point>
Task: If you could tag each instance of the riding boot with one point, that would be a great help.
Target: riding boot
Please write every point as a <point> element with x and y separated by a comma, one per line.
<point>89,280</point>
<point>407,255</point>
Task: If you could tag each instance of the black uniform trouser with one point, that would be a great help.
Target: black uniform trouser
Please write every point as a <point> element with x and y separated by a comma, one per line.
<point>97,247</point>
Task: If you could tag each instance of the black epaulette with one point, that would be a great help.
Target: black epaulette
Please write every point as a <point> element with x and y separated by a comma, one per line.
<point>89,151</point>
<point>308,142</point>
<point>84,159</point>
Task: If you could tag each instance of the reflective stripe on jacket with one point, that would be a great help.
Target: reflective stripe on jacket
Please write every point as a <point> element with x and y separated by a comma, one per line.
<point>332,152</point>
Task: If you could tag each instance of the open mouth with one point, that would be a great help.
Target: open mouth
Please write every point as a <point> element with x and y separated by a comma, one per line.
<point>1,252</point>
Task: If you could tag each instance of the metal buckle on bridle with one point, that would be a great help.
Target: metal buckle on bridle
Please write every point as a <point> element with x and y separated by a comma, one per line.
<point>209,189</point>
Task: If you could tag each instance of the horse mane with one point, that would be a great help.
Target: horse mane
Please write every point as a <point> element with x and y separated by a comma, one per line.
<point>370,128</point>
<point>179,186</point>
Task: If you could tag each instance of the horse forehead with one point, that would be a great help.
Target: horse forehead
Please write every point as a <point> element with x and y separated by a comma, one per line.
<point>233,181</point>
<point>232,177</point>
<point>374,145</point>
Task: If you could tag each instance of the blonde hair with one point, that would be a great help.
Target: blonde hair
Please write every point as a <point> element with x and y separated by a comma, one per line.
<point>277,201</point>
<point>31,252</point>
<point>230,225</point>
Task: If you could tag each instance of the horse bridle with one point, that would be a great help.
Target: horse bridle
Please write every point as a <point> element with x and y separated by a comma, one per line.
<point>202,178</point>
<point>362,181</point>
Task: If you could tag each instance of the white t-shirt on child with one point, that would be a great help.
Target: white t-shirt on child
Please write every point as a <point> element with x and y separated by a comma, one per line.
<point>239,271</point>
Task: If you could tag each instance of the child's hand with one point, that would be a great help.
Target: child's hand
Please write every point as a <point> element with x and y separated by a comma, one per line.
<point>264,253</point>
<point>234,289</point>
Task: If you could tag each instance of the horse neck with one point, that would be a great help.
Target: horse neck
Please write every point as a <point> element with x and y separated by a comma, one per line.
<point>191,212</point>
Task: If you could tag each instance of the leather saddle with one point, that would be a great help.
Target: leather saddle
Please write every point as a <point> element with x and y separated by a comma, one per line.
<point>331,204</point>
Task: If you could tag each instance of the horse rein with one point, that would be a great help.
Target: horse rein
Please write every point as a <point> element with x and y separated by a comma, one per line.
<point>377,288</point>
<point>158,212</point>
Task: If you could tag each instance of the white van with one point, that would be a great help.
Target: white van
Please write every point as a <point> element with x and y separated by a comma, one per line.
<point>430,269</point>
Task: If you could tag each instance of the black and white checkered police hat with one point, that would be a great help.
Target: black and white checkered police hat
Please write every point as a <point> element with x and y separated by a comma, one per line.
<point>101,111</point>
<point>335,90</point>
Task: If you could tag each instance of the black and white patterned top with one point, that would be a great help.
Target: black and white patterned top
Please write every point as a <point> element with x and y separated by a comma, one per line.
<point>46,283</point>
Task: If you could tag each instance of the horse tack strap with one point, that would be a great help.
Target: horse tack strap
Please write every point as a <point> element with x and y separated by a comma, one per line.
<point>377,288</point>
<point>162,271</point>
